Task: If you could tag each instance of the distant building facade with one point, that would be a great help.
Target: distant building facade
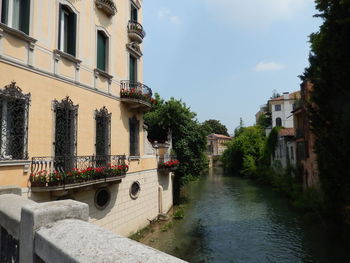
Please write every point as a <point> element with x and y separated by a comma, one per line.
<point>285,151</point>
<point>305,139</point>
<point>217,144</point>
<point>281,109</point>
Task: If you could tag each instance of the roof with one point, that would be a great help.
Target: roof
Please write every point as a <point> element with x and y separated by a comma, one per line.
<point>287,132</point>
<point>292,96</point>
<point>219,136</point>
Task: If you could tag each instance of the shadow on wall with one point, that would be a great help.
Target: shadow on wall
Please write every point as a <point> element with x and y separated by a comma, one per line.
<point>96,213</point>
<point>164,181</point>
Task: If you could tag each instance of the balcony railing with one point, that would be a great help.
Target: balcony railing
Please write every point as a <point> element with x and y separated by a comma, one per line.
<point>67,172</point>
<point>136,94</point>
<point>136,32</point>
<point>168,163</point>
<point>107,6</point>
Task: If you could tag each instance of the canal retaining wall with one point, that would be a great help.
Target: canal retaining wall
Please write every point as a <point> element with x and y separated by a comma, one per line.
<point>60,232</point>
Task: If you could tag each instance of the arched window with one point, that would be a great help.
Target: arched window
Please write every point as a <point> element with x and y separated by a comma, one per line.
<point>67,30</point>
<point>278,122</point>
<point>14,106</point>
<point>102,51</point>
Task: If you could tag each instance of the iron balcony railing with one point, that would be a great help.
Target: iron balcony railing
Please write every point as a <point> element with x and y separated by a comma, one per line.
<point>136,90</point>
<point>137,28</point>
<point>63,171</point>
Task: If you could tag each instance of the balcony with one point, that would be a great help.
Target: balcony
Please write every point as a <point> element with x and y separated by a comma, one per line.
<point>167,164</point>
<point>136,32</point>
<point>107,6</point>
<point>136,96</point>
<point>69,172</point>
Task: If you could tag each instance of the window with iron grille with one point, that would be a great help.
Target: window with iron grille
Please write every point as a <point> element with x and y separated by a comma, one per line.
<point>65,131</point>
<point>134,128</point>
<point>103,132</point>
<point>14,107</point>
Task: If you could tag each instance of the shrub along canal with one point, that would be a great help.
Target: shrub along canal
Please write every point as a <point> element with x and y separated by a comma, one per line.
<point>229,219</point>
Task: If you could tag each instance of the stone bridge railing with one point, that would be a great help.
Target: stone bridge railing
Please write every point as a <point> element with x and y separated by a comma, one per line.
<point>58,231</point>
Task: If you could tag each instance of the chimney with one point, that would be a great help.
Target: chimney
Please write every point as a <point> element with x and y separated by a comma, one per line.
<point>285,95</point>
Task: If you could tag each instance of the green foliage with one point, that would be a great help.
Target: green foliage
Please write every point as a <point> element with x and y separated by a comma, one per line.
<point>214,126</point>
<point>244,151</point>
<point>329,71</point>
<point>189,139</point>
<point>264,120</point>
<point>179,213</point>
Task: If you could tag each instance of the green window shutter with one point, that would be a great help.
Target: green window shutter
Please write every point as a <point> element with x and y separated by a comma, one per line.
<point>24,19</point>
<point>72,32</point>
<point>4,11</point>
<point>134,15</point>
<point>133,66</point>
<point>101,51</point>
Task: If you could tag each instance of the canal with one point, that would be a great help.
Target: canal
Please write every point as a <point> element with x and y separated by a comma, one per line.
<point>230,219</point>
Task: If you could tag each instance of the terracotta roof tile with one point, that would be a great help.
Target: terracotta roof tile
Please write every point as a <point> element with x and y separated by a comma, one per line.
<point>287,132</point>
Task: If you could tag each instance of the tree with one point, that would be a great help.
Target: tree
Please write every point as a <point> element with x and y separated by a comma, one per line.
<point>189,138</point>
<point>245,151</point>
<point>329,71</point>
<point>214,126</point>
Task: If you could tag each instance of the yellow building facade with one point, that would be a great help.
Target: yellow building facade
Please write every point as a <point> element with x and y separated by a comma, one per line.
<point>71,97</point>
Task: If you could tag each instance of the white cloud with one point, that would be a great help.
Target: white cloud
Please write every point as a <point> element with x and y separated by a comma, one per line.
<point>167,15</point>
<point>255,14</point>
<point>268,66</point>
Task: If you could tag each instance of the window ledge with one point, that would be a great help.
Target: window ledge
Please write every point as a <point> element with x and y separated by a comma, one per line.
<point>24,163</point>
<point>17,33</point>
<point>58,54</point>
<point>102,73</point>
<point>134,158</point>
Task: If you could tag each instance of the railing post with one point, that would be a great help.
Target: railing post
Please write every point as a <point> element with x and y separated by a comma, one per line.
<point>36,216</point>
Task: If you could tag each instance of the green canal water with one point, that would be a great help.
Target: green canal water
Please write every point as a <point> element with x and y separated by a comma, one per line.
<point>230,219</point>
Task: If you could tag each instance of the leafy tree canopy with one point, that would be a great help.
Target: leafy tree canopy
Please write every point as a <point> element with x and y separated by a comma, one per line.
<point>329,71</point>
<point>189,138</point>
<point>214,126</point>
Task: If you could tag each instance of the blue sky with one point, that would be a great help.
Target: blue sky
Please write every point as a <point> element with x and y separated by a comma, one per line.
<point>224,58</point>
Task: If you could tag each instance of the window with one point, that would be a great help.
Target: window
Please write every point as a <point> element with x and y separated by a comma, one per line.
<point>14,106</point>
<point>133,69</point>
<point>16,14</point>
<point>103,127</point>
<point>102,48</point>
<point>67,30</point>
<point>135,190</point>
<point>134,126</point>
<point>292,153</point>
<point>134,13</point>
<point>278,107</point>
<point>65,133</point>
<point>102,198</point>
<point>278,122</point>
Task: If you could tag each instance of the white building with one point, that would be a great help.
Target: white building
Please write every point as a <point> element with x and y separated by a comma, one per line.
<point>281,109</point>
<point>285,151</point>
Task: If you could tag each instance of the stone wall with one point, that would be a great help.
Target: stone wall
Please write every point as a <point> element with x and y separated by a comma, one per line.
<point>59,232</point>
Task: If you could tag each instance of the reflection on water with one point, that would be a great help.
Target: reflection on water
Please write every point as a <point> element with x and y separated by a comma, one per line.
<point>233,220</point>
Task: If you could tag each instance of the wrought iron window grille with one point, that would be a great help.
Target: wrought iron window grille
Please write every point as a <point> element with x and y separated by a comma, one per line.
<point>14,109</point>
<point>65,143</point>
<point>103,132</point>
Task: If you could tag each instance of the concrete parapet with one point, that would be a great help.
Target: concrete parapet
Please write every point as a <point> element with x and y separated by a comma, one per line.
<point>10,189</point>
<point>76,241</point>
<point>37,215</point>
<point>10,212</point>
